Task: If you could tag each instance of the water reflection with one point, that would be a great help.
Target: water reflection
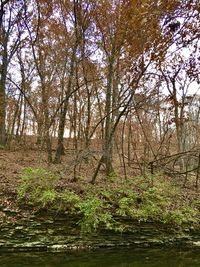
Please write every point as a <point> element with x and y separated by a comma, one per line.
<point>107,258</point>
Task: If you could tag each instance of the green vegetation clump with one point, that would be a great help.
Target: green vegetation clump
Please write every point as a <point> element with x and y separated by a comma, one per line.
<point>67,201</point>
<point>37,186</point>
<point>94,212</point>
<point>100,206</point>
<point>157,205</point>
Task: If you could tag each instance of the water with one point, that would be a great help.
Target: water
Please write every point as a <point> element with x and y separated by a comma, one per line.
<point>105,258</point>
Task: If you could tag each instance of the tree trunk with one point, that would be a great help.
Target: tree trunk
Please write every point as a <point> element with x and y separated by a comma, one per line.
<point>107,146</point>
<point>3,72</point>
<point>2,114</point>
<point>60,145</point>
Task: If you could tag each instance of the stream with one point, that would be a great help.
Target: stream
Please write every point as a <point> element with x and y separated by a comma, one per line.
<point>105,258</point>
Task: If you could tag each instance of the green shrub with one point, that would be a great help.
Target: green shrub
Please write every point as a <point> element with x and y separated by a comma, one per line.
<point>68,201</point>
<point>48,197</point>
<point>37,186</point>
<point>126,206</point>
<point>94,213</point>
<point>159,203</point>
<point>183,215</point>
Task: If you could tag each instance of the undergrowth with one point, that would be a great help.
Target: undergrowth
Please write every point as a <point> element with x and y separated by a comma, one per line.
<point>102,205</point>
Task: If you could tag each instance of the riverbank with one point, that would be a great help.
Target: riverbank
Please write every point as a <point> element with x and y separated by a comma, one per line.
<point>47,232</point>
<point>43,209</point>
<point>44,232</point>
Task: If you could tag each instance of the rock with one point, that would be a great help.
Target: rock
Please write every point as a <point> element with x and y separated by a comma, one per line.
<point>61,234</point>
<point>196,243</point>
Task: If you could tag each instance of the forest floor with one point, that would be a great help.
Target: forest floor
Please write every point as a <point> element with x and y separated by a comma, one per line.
<point>181,203</point>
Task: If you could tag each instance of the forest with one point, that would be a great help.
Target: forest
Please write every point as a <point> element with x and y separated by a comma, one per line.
<point>100,109</point>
